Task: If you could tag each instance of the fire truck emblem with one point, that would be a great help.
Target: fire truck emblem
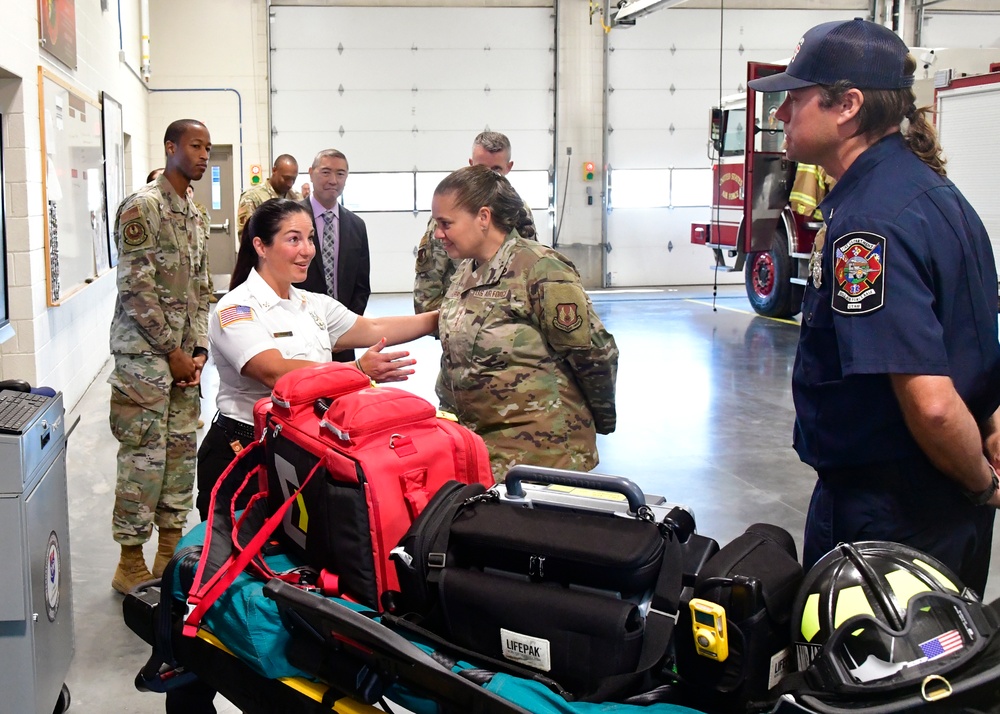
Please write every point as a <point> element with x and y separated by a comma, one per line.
<point>731,186</point>
<point>859,273</point>
<point>567,318</point>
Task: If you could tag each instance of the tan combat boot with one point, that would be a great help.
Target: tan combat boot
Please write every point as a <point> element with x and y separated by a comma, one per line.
<point>165,549</point>
<point>131,570</point>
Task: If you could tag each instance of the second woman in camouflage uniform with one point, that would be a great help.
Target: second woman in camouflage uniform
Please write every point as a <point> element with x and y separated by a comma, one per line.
<point>526,362</point>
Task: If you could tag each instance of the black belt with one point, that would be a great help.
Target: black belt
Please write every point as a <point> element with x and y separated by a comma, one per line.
<point>235,429</point>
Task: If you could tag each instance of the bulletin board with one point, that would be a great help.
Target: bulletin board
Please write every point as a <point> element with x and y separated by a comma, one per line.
<point>73,190</point>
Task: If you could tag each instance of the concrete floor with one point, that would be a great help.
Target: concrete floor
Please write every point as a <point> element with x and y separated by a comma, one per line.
<point>704,418</point>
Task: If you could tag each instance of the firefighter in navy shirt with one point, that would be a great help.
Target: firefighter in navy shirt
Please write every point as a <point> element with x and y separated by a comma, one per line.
<point>897,377</point>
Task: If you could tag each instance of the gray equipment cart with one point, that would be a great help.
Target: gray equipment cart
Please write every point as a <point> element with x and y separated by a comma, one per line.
<point>36,605</point>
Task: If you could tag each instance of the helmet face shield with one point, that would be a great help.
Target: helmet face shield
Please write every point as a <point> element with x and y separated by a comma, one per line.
<point>939,634</point>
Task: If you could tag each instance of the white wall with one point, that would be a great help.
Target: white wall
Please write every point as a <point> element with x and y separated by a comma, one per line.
<point>63,346</point>
<point>220,46</point>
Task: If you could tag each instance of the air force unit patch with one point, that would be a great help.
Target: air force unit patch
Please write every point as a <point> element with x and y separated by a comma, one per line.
<point>858,273</point>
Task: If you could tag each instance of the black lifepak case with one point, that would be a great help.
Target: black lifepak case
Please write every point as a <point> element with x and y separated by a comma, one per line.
<point>755,578</point>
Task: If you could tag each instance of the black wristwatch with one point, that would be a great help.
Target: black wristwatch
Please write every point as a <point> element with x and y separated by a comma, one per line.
<point>981,498</point>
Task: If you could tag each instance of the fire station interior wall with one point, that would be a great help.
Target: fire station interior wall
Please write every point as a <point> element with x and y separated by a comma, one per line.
<point>404,89</point>
<point>209,62</point>
<point>63,346</point>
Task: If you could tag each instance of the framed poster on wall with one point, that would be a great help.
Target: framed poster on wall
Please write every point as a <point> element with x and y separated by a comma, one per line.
<point>57,29</point>
<point>114,169</point>
<point>73,195</point>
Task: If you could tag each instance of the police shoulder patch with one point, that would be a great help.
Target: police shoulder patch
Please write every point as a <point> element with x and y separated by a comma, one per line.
<point>858,273</point>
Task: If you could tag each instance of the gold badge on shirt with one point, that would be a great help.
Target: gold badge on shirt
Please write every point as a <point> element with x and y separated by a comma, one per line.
<point>816,258</point>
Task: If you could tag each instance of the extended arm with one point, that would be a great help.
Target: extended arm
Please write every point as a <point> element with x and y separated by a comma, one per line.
<point>370,330</point>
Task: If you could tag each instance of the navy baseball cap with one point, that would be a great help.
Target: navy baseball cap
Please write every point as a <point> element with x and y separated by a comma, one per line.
<point>869,56</point>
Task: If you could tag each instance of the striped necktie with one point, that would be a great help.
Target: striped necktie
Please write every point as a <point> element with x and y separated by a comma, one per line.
<point>329,253</point>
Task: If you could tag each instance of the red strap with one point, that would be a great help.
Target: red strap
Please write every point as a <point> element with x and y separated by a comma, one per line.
<point>329,583</point>
<point>232,568</point>
<point>414,486</point>
<point>196,586</point>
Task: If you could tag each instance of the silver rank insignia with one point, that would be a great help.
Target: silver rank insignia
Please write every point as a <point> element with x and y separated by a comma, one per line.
<point>816,258</point>
<point>318,320</point>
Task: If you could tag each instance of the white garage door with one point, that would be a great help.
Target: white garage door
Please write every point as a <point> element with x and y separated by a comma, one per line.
<point>403,92</point>
<point>664,74</point>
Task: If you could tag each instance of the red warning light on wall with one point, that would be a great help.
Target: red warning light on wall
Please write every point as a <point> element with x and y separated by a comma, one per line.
<point>588,170</point>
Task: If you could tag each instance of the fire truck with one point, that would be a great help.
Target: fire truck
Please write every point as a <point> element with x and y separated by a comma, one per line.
<point>752,227</point>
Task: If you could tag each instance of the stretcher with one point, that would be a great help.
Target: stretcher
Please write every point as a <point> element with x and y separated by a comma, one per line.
<point>358,673</point>
<point>330,656</point>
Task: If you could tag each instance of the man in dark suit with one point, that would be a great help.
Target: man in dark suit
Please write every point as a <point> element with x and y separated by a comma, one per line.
<point>342,265</point>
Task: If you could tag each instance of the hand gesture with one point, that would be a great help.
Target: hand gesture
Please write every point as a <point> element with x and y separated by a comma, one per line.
<point>386,366</point>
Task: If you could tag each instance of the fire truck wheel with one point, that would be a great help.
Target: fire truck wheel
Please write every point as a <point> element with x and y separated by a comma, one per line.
<point>767,281</point>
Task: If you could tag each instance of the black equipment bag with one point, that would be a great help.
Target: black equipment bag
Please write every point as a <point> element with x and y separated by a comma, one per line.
<point>584,598</point>
<point>755,578</point>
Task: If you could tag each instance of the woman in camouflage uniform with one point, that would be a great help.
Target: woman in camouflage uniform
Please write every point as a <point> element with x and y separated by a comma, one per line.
<point>526,362</point>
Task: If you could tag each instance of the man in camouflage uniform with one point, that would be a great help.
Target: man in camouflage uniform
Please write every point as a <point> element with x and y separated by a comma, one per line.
<point>283,175</point>
<point>159,339</point>
<point>434,269</point>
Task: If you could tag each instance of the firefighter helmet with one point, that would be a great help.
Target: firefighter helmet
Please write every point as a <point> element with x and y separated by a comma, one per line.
<point>876,615</point>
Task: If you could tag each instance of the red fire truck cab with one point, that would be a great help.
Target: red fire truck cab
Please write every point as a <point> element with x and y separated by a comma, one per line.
<point>752,227</point>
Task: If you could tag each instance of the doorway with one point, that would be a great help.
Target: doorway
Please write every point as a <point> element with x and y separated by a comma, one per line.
<point>215,192</point>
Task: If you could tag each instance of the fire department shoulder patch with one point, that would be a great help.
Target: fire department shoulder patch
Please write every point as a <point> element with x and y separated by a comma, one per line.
<point>858,273</point>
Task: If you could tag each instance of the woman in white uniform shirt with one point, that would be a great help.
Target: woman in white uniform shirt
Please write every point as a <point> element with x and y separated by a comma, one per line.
<point>265,327</point>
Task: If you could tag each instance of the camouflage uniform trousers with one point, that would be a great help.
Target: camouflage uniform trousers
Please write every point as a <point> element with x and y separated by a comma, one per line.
<point>155,424</point>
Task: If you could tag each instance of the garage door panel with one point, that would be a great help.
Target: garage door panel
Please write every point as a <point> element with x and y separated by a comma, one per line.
<point>655,111</point>
<point>474,69</point>
<point>428,151</point>
<point>659,70</point>
<point>388,126</point>
<point>392,237</point>
<point>418,85</point>
<point>685,148</point>
<point>353,27</point>
<point>509,111</point>
<point>661,237</point>
<point>402,69</point>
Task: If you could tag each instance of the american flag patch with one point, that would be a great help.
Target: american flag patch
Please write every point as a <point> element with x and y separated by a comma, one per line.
<point>942,644</point>
<point>234,313</point>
